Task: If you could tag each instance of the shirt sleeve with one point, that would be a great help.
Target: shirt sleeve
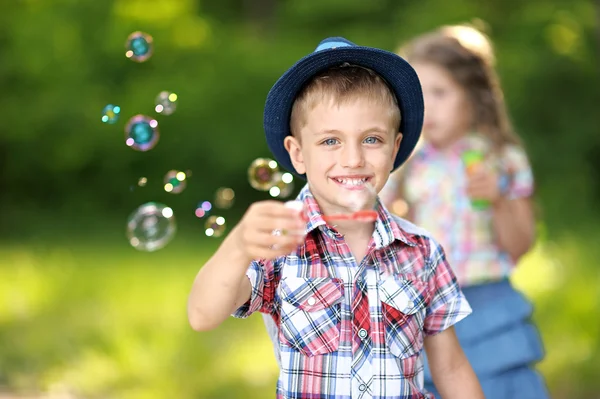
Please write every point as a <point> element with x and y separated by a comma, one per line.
<point>447,305</point>
<point>263,279</point>
<point>515,162</point>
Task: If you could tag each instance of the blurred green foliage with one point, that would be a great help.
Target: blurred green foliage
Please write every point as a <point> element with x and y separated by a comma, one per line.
<point>82,310</point>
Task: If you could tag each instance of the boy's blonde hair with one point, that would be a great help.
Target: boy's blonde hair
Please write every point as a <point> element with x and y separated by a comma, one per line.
<point>467,54</point>
<point>342,85</point>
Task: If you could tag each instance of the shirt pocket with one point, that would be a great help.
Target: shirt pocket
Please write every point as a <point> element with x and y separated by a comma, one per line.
<point>403,307</point>
<point>311,314</point>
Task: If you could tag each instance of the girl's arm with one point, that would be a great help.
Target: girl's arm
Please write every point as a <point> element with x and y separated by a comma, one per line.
<point>512,209</point>
<point>514,225</point>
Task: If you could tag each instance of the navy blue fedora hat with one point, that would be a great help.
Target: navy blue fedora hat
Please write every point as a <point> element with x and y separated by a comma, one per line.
<point>335,51</point>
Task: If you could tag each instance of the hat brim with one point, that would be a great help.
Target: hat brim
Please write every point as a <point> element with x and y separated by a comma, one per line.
<point>397,73</point>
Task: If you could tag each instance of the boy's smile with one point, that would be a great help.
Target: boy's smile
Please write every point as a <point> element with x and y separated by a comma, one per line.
<point>352,182</point>
<point>343,148</point>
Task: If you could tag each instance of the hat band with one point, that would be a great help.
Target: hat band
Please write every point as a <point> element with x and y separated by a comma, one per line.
<point>326,45</point>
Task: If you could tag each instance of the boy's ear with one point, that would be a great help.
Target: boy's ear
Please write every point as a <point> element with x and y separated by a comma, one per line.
<point>294,148</point>
<point>397,142</point>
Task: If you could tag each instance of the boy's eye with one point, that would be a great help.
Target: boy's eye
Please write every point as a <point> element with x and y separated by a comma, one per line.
<point>330,141</point>
<point>371,140</point>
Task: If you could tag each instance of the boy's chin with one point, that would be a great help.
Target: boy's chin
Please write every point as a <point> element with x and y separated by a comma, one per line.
<point>355,206</point>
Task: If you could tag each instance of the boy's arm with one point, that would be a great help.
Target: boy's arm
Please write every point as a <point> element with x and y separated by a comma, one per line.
<point>220,287</point>
<point>452,374</point>
<point>451,371</point>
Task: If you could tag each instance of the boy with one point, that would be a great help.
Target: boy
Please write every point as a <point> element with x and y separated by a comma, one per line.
<point>355,303</point>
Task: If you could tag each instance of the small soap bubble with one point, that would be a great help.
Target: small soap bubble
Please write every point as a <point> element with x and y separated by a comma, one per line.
<point>214,226</point>
<point>142,181</point>
<point>141,133</point>
<point>175,181</point>
<point>203,208</point>
<point>283,185</point>
<point>224,198</point>
<point>262,173</point>
<point>287,178</point>
<point>151,226</point>
<point>139,46</point>
<point>207,206</point>
<point>110,114</point>
<point>166,103</point>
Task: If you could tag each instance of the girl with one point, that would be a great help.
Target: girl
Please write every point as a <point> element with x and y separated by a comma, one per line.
<point>470,184</point>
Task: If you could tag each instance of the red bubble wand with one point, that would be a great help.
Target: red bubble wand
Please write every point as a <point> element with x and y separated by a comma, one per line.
<point>365,215</point>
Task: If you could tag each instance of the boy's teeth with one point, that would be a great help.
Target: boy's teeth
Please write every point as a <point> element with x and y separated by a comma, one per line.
<point>353,182</point>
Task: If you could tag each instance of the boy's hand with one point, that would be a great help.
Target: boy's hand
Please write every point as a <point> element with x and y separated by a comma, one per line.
<point>270,229</point>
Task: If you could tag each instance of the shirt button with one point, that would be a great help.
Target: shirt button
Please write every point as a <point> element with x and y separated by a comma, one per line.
<point>362,387</point>
<point>311,301</point>
<point>362,333</point>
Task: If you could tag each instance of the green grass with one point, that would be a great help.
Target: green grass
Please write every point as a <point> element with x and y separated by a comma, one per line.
<point>111,323</point>
<point>563,280</point>
<point>106,321</point>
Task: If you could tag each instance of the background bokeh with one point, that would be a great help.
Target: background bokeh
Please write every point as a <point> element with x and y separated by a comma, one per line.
<point>84,315</point>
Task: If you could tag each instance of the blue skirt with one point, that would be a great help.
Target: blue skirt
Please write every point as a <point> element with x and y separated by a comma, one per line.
<point>501,343</point>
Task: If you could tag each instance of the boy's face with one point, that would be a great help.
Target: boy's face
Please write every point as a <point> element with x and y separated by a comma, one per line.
<point>343,147</point>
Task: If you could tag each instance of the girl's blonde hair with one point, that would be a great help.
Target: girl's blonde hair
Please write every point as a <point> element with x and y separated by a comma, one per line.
<point>467,54</point>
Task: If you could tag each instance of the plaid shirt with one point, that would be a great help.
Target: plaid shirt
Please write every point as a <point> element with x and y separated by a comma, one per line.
<point>355,330</point>
<point>435,188</point>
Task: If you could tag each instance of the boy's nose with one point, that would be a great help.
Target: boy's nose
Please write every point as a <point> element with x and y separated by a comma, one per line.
<point>352,156</point>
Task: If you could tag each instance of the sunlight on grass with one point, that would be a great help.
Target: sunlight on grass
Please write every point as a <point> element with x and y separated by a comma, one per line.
<point>563,281</point>
<point>116,326</point>
<point>538,272</point>
<point>111,322</point>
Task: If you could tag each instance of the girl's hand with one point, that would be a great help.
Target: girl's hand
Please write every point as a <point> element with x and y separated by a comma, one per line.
<point>483,183</point>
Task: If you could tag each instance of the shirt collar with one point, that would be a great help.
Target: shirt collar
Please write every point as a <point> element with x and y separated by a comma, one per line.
<point>387,230</point>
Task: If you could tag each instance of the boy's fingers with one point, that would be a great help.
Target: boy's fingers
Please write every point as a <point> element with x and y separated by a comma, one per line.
<point>282,239</point>
<point>260,251</point>
<point>288,225</point>
<point>274,209</point>
<point>265,222</point>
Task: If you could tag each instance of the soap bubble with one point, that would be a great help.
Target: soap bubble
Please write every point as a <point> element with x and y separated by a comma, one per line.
<point>110,114</point>
<point>202,209</point>
<point>142,181</point>
<point>141,133</point>
<point>139,46</point>
<point>262,173</point>
<point>175,181</point>
<point>166,103</point>
<point>224,198</point>
<point>214,226</point>
<point>283,186</point>
<point>151,226</point>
